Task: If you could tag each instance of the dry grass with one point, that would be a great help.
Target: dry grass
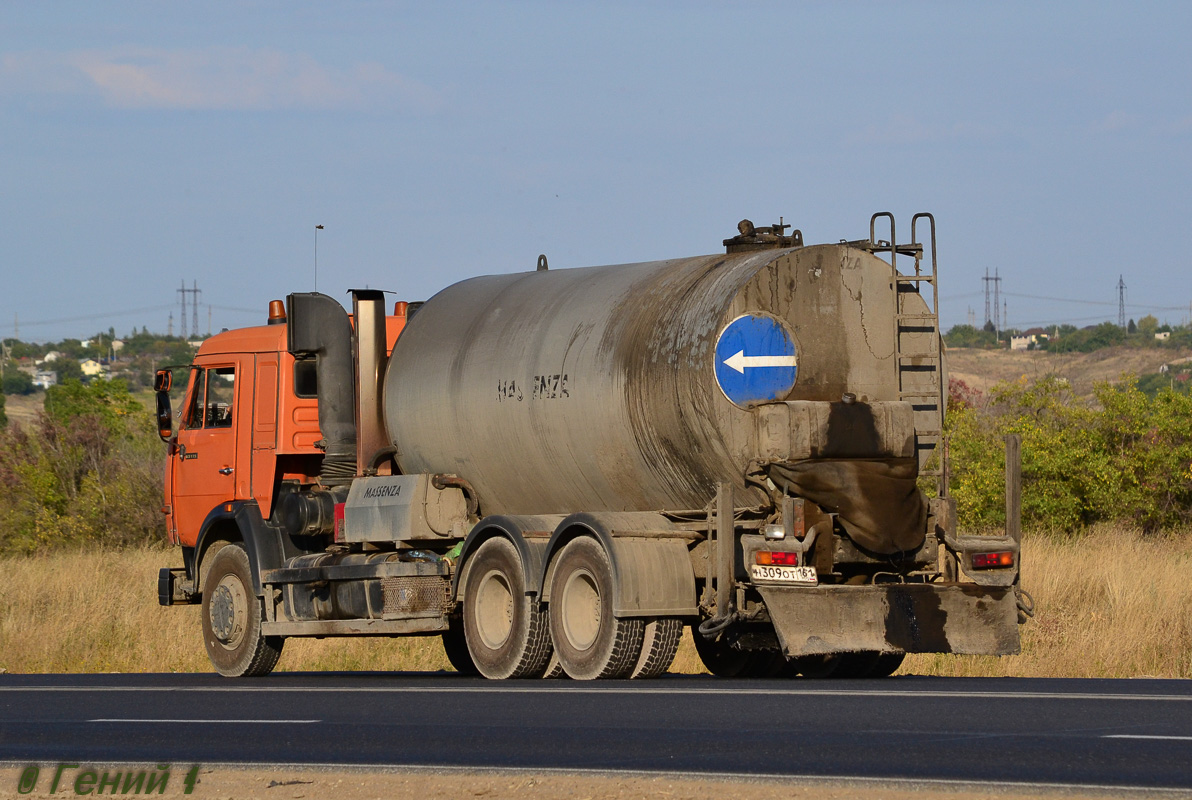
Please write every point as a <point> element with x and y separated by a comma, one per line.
<point>981,369</point>
<point>1110,604</point>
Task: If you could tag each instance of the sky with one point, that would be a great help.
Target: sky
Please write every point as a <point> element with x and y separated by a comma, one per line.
<point>143,145</point>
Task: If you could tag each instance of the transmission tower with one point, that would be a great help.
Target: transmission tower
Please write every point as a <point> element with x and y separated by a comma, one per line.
<point>171,329</point>
<point>1121,287</point>
<point>194,293</point>
<point>995,283</point>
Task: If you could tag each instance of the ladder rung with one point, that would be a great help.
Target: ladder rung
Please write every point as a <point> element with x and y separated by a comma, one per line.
<point>921,317</point>
<point>915,278</point>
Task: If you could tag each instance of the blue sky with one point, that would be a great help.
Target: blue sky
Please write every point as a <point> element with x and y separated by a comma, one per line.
<point>143,144</point>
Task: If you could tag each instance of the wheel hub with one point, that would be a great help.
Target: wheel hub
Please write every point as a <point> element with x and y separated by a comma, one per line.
<point>494,610</point>
<point>581,609</point>
<point>229,611</point>
<point>223,613</point>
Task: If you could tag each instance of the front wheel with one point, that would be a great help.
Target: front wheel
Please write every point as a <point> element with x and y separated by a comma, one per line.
<point>232,616</point>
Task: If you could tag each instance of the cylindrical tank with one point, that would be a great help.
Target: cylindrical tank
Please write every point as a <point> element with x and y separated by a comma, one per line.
<point>597,389</point>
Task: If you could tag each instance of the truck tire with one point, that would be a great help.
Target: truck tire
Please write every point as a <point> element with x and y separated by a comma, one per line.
<point>887,664</point>
<point>660,642</point>
<point>232,616</point>
<point>860,664</point>
<point>456,648</point>
<point>506,633</point>
<point>823,666</point>
<point>724,661</point>
<point>591,643</point>
<point>554,669</point>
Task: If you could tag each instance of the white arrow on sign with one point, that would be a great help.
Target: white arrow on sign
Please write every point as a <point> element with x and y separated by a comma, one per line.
<point>740,362</point>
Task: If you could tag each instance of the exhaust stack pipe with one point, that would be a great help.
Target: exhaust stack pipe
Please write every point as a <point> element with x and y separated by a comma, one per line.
<point>368,308</point>
<point>318,326</point>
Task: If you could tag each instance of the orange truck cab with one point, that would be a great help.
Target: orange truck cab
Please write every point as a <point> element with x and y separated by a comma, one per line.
<point>248,437</point>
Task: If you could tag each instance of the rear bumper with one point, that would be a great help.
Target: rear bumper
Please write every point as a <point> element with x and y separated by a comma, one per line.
<point>908,618</point>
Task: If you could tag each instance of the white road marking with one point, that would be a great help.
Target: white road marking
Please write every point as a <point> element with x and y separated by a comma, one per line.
<point>1146,736</point>
<point>218,721</point>
<point>636,689</point>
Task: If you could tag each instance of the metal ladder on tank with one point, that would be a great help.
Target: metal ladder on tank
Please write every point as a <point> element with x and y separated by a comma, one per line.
<point>928,404</point>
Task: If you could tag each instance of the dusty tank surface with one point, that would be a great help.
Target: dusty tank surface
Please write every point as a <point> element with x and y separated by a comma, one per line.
<point>603,388</point>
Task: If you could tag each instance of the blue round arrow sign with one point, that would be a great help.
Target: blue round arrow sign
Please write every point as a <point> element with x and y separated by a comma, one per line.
<point>755,359</point>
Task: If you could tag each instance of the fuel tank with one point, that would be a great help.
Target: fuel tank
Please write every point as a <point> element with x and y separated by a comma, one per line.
<point>640,386</point>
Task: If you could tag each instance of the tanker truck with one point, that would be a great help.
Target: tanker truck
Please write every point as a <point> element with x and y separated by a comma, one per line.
<point>558,471</point>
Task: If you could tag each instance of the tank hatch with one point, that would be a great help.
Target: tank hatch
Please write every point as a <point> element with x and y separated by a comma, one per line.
<point>772,237</point>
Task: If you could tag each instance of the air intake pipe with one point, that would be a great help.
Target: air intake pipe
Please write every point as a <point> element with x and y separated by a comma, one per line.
<point>318,326</point>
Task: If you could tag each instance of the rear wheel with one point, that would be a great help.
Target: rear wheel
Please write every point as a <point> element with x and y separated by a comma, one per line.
<point>456,648</point>
<point>232,616</point>
<point>887,664</point>
<point>505,632</point>
<point>590,642</point>
<point>857,665</point>
<point>720,659</point>
<point>822,666</point>
<point>660,642</point>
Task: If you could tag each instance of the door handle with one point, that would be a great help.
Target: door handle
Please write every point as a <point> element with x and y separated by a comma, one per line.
<point>226,471</point>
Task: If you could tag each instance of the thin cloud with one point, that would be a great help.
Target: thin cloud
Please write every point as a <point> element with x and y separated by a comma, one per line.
<point>211,79</point>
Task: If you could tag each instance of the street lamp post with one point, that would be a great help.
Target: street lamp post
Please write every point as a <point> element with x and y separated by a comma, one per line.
<point>317,229</point>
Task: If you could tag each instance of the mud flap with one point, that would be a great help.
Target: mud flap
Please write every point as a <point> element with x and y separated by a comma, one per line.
<point>909,618</point>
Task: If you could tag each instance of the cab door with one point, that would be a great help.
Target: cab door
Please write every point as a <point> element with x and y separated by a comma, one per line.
<point>205,467</point>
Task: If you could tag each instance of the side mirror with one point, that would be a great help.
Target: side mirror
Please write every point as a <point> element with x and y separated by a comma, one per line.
<point>162,381</point>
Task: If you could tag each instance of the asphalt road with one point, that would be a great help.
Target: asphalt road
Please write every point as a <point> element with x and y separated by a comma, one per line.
<point>1135,733</point>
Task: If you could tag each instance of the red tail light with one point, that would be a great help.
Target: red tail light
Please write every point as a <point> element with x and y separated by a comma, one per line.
<point>993,560</point>
<point>768,557</point>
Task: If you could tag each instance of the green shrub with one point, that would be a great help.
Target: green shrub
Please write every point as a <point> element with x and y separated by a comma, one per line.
<point>88,471</point>
<point>1126,457</point>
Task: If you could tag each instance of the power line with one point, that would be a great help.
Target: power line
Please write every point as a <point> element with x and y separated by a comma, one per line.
<point>1092,302</point>
<point>105,315</point>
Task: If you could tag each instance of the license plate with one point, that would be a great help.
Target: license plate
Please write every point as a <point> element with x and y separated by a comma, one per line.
<point>762,572</point>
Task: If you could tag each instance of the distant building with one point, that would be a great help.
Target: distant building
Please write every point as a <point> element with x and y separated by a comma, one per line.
<point>1162,337</point>
<point>51,357</point>
<point>1023,342</point>
<point>91,367</point>
<point>45,378</point>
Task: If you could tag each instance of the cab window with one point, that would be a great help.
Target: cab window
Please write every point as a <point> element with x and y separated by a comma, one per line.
<point>193,419</point>
<point>212,402</point>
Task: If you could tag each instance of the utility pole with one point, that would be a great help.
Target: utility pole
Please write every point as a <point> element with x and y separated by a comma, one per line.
<point>182,294</point>
<point>1121,287</point>
<point>171,329</point>
<point>317,229</point>
<point>194,296</point>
